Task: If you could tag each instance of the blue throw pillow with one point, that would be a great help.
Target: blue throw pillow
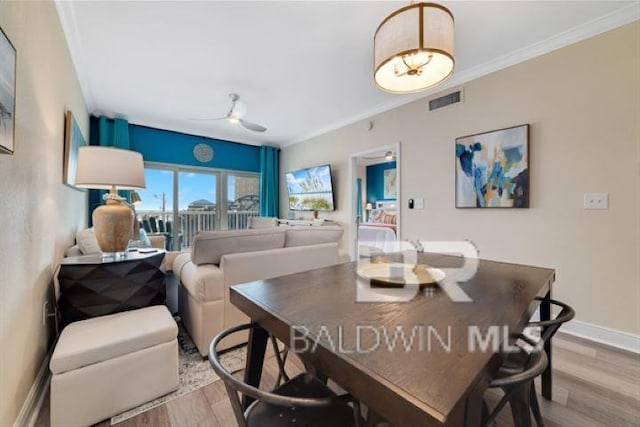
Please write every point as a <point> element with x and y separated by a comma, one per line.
<point>142,242</point>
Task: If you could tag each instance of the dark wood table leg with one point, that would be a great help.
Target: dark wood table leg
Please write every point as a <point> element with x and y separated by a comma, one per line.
<point>545,314</point>
<point>473,406</point>
<point>258,338</point>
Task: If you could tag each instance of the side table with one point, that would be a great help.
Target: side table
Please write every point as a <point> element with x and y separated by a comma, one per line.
<point>92,286</point>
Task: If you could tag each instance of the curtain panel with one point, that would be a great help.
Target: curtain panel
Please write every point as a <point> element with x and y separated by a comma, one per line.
<point>269,182</point>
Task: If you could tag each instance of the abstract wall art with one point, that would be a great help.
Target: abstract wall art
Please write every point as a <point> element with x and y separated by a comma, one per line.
<point>7,94</point>
<point>492,169</point>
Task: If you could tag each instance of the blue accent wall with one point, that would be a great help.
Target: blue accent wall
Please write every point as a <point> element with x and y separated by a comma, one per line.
<point>164,146</point>
<point>375,181</point>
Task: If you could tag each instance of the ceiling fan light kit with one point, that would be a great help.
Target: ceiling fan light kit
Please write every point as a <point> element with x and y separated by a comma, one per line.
<point>413,48</point>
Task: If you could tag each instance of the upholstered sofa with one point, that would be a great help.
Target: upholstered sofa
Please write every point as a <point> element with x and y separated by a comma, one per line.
<point>220,259</point>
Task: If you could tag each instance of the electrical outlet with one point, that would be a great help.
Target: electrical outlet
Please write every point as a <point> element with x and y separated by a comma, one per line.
<point>419,203</point>
<point>596,200</point>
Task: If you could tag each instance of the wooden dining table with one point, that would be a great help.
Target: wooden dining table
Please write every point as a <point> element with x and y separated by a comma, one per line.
<point>424,362</point>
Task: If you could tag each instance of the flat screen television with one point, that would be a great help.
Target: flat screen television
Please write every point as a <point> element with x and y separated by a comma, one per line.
<point>310,189</point>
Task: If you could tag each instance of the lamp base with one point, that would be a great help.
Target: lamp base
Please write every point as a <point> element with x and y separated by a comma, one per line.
<point>113,226</point>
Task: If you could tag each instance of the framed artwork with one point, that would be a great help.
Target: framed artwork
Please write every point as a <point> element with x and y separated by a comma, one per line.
<point>492,169</point>
<point>73,140</point>
<point>390,189</point>
<point>7,94</point>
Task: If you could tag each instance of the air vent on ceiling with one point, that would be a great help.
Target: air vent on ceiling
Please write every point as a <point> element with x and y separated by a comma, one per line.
<point>443,101</point>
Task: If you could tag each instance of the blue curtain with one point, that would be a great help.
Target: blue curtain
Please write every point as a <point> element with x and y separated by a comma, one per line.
<point>107,133</point>
<point>113,132</point>
<point>269,185</point>
<point>359,198</point>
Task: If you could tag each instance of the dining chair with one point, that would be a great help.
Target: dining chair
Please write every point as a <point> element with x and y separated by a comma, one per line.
<point>548,330</point>
<point>516,385</point>
<point>515,363</point>
<point>302,400</point>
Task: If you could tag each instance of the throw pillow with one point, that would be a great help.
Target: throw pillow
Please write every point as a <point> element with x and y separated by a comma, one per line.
<point>142,242</point>
<point>375,215</point>
<point>87,242</point>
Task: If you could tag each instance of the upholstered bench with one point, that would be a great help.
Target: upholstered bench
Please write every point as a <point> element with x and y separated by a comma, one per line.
<point>107,365</point>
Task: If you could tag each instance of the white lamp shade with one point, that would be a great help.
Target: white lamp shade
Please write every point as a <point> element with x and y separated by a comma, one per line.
<point>413,48</point>
<point>104,167</point>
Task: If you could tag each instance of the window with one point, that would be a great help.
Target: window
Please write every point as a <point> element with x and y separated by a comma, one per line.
<point>179,202</point>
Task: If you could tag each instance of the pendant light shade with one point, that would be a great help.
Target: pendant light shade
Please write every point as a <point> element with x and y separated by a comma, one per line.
<point>413,48</point>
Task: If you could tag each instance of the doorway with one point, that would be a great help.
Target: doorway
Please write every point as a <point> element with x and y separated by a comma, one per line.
<point>375,218</point>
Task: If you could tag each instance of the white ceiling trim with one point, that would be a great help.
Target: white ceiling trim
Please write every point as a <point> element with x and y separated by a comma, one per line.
<point>615,19</point>
<point>67,16</point>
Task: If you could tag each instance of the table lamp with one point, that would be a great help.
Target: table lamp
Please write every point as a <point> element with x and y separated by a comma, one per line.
<point>368,207</point>
<point>111,169</point>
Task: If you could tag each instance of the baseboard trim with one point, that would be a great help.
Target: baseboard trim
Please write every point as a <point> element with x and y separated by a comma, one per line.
<point>599,334</point>
<point>28,414</point>
<point>603,335</point>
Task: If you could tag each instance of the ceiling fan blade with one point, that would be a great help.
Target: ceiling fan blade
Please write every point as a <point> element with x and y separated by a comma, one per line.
<point>210,119</point>
<point>252,126</point>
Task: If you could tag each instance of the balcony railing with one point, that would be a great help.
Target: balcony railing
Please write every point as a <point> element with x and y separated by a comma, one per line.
<point>190,222</point>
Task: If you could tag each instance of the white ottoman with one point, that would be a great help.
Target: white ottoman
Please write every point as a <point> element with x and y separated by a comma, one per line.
<point>107,365</point>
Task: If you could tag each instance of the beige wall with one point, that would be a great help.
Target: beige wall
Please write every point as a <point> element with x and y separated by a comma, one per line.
<point>583,106</point>
<point>38,214</point>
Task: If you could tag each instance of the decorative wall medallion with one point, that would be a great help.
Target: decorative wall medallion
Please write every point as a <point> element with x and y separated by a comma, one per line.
<point>203,153</point>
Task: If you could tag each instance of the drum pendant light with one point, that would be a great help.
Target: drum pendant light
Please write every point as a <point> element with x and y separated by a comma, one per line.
<point>413,48</point>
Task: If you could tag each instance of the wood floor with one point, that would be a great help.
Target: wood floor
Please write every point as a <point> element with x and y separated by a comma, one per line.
<point>594,385</point>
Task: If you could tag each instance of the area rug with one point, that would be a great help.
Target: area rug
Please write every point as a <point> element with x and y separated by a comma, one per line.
<point>194,372</point>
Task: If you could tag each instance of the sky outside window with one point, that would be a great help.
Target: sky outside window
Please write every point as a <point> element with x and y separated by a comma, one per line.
<point>158,182</point>
<point>195,188</point>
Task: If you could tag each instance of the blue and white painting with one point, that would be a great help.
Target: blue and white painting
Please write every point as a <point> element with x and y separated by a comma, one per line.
<point>492,169</point>
<point>7,93</point>
<point>72,142</point>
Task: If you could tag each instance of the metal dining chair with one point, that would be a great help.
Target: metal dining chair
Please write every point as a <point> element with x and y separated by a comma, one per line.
<point>517,386</point>
<point>548,330</point>
<point>515,363</point>
<point>299,401</point>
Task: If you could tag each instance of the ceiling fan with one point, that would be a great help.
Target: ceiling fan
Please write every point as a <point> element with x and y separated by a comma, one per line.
<point>388,156</point>
<point>236,114</point>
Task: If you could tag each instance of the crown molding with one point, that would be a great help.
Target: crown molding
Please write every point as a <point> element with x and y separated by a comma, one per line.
<point>67,16</point>
<point>610,21</point>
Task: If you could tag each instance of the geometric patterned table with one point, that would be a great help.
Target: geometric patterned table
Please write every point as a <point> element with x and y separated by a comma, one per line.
<point>92,286</point>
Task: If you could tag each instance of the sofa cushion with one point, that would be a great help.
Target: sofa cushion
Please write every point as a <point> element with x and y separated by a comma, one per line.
<point>73,251</point>
<point>87,242</point>
<point>102,338</point>
<point>256,222</point>
<point>305,236</point>
<point>209,246</point>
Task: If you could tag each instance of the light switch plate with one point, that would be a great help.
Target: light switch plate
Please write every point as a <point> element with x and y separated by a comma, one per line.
<point>596,200</point>
<point>419,203</point>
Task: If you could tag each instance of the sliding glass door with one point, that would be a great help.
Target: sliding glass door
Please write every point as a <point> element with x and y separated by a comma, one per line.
<point>180,201</point>
<point>198,207</point>
<point>243,199</point>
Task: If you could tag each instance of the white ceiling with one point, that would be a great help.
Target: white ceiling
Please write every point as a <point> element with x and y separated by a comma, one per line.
<point>303,68</point>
